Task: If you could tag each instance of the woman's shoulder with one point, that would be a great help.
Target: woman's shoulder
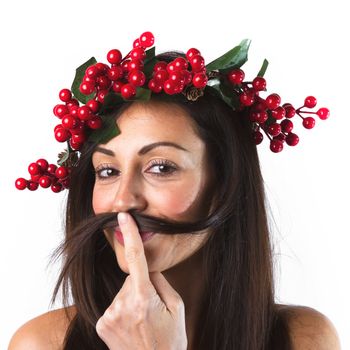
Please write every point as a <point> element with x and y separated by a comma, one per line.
<point>46,331</point>
<point>309,328</point>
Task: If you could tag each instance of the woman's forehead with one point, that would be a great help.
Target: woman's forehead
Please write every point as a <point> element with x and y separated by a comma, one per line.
<point>157,122</point>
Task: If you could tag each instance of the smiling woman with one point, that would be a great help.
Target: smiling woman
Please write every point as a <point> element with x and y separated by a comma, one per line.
<point>198,274</point>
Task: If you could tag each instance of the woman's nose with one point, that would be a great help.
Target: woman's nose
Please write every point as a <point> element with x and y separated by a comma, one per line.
<point>129,195</point>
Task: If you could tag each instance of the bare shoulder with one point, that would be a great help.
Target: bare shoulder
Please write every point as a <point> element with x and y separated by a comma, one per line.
<point>46,331</point>
<point>310,329</point>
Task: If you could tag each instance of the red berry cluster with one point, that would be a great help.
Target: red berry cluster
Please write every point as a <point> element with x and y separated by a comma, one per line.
<point>75,119</point>
<point>174,76</point>
<point>268,115</point>
<point>46,175</point>
<point>123,76</point>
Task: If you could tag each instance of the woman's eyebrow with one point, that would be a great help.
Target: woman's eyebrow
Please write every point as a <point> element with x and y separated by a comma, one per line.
<point>151,146</point>
<point>144,149</point>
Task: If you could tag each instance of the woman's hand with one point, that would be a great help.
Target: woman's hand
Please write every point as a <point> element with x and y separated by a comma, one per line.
<point>147,313</point>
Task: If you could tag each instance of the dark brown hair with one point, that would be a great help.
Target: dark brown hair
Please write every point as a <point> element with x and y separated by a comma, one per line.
<point>239,310</point>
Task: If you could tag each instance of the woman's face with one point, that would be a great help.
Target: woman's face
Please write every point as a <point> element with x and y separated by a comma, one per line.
<point>137,170</point>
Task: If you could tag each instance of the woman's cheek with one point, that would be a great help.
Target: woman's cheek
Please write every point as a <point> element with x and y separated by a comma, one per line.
<point>177,203</point>
<point>100,201</point>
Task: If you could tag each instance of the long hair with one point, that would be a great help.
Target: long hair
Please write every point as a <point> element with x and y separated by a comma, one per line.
<point>238,310</point>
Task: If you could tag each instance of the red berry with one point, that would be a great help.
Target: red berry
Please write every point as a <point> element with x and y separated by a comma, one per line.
<point>84,113</point>
<point>161,65</point>
<point>95,123</point>
<point>136,43</point>
<point>160,76</point>
<point>43,164</point>
<point>56,188</point>
<point>281,137</point>
<point>138,53</point>
<point>135,64</point>
<point>87,88</point>
<point>51,169</point>
<point>102,95</point>
<point>276,146</point>
<point>197,63</point>
<point>170,67</point>
<point>278,113</point>
<point>103,82</point>
<point>114,73</point>
<point>170,87</point>
<point>308,123</point>
<point>34,169</point>
<point>323,113</point>
<point>78,138</point>
<point>236,76</point>
<point>292,139</point>
<point>72,103</point>
<point>137,78</point>
<point>128,91</point>
<point>154,86</point>
<point>257,137</point>
<point>273,101</point>
<point>125,65</point>
<point>21,183</point>
<point>290,110</point>
<point>65,95</point>
<point>180,63</point>
<point>102,68</point>
<point>65,183</point>
<point>310,102</point>
<point>60,110</point>
<point>69,122</point>
<point>92,71</point>
<point>262,117</point>
<point>200,80</point>
<point>32,186</point>
<point>187,77</point>
<point>287,125</point>
<point>117,86</point>
<point>75,145</point>
<point>45,181</point>
<point>274,129</point>
<point>93,105</point>
<point>192,52</point>
<point>62,135</point>
<point>114,56</point>
<point>247,98</point>
<point>259,84</point>
<point>61,172</point>
<point>146,39</point>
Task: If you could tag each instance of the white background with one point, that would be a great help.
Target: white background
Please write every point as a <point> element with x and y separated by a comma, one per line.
<point>306,42</point>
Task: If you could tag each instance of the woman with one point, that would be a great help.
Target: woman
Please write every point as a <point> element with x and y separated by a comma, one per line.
<point>188,263</point>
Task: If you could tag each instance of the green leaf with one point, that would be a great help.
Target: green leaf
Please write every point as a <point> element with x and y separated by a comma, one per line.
<point>234,58</point>
<point>108,130</point>
<point>263,68</point>
<point>110,102</point>
<point>150,54</point>
<point>142,94</point>
<point>79,75</point>
<point>149,62</point>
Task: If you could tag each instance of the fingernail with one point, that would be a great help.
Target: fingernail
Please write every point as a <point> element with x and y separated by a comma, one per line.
<point>122,218</point>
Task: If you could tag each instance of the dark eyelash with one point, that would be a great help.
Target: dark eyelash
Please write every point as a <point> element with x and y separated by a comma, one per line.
<point>163,162</point>
<point>102,167</point>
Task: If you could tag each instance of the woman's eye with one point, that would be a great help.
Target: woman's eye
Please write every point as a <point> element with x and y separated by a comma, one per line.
<point>106,172</point>
<point>162,168</point>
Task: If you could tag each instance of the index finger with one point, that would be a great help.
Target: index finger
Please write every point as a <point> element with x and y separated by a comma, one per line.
<point>134,250</point>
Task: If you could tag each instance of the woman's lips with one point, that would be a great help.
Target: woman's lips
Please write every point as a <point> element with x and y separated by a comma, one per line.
<point>145,236</point>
